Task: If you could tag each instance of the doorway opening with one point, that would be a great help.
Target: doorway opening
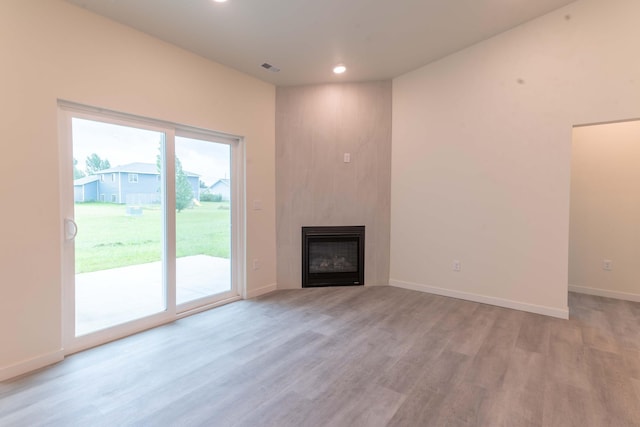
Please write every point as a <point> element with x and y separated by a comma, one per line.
<point>605,206</point>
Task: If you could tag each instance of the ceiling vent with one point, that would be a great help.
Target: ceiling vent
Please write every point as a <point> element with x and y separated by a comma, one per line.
<point>270,67</point>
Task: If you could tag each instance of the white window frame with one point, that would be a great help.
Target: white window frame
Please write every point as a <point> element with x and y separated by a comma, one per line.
<point>237,161</point>
<point>133,178</point>
<point>69,110</point>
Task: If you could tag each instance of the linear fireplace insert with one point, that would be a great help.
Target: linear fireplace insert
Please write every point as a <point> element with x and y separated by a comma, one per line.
<point>332,256</point>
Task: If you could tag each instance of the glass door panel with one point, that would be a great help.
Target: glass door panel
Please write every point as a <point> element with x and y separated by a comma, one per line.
<point>119,212</point>
<point>203,219</point>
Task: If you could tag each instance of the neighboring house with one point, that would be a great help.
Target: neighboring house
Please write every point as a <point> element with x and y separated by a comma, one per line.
<point>133,184</point>
<point>85,189</point>
<point>222,187</point>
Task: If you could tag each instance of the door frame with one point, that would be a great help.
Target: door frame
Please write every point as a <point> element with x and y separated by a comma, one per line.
<point>68,110</point>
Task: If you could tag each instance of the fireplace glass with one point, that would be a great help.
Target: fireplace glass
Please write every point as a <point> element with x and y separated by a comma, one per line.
<point>332,256</point>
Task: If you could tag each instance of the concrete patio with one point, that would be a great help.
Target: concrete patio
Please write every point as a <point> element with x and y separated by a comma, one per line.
<point>110,297</point>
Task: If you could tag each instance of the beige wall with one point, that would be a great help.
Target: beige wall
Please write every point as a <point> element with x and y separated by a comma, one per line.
<point>605,210</point>
<point>53,50</point>
<point>315,126</point>
<point>481,153</point>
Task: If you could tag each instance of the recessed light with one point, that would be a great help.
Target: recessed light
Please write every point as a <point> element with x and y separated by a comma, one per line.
<point>220,1</point>
<point>339,69</point>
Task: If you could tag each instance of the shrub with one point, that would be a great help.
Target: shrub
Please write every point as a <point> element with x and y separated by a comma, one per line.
<point>206,197</point>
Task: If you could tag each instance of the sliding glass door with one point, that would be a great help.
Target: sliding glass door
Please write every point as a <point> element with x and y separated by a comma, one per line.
<point>118,210</point>
<point>203,219</point>
<point>151,223</point>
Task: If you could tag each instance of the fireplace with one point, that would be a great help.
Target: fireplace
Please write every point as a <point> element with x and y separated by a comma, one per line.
<point>332,256</point>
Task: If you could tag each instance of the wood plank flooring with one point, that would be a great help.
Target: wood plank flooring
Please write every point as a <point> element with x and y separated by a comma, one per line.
<point>351,357</point>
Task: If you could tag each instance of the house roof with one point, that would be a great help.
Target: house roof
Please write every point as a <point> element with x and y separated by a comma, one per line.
<point>85,180</point>
<point>139,167</point>
<point>223,181</point>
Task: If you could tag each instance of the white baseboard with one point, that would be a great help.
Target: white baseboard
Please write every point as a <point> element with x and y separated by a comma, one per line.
<point>500,302</point>
<point>261,291</point>
<point>605,293</point>
<point>31,365</point>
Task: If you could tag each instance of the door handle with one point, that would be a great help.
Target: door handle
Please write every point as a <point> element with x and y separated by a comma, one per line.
<point>70,229</point>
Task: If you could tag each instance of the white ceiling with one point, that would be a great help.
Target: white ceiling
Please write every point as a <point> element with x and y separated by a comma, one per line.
<point>375,39</point>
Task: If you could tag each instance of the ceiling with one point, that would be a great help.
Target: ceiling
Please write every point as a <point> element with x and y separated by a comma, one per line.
<point>375,39</point>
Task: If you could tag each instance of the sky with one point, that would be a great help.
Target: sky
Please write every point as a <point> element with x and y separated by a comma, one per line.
<point>122,145</point>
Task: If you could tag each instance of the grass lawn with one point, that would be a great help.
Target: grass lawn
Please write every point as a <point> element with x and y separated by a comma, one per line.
<point>108,238</point>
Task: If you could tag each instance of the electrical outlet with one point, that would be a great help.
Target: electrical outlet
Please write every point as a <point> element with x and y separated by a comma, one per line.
<point>607,265</point>
<point>456,265</point>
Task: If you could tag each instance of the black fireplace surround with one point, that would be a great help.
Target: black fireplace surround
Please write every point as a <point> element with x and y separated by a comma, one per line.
<point>332,256</point>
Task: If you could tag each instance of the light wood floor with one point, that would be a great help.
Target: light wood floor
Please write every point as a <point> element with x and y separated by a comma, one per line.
<point>351,357</point>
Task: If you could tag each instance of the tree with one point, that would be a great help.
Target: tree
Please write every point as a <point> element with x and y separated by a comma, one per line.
<point>77,173</point>
<point>94,164</point>
<point>184,193</point>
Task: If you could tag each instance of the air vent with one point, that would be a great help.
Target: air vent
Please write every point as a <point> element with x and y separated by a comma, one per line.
<point>270,67</point>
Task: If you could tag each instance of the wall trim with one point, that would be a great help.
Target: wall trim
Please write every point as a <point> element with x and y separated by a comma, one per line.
<point>500,302</point>
<point>30,365</point>
<point>253,293</point>
<point>626,296</point>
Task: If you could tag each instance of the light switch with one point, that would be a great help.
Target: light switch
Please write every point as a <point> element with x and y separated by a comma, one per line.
<point>347,157</point>
<point>257,205</point>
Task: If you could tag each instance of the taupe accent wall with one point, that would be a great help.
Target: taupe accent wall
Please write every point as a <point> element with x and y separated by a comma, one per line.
<point>315,127</point>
